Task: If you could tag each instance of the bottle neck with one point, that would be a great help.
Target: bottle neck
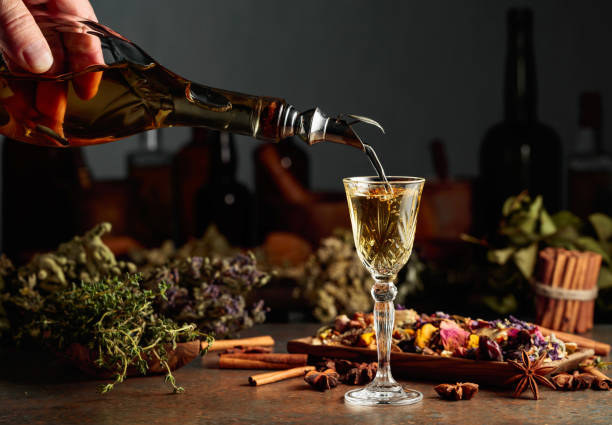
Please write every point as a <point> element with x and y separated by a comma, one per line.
<point>150,141</point>
<point>225,162</point>
<point>520,95</point>
<point>589,124</point>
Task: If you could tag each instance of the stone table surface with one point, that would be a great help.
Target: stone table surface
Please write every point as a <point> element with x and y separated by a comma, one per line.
<point>38,391</point>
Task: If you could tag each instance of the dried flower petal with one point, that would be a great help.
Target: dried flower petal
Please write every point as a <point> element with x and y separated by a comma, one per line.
<point>452,335</point>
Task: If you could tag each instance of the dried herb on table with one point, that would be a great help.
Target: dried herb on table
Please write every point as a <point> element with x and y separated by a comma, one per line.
<point>113,318</point>
<point>322,380</point>
<point>334,281</point>
<point>530,373</point>
<point>84,258</point>
<point>211,292</point>
<point>459,391</point>
<point>211,244</point>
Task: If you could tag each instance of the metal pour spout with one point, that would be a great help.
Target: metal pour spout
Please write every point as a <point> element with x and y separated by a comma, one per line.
<point>314,126</point>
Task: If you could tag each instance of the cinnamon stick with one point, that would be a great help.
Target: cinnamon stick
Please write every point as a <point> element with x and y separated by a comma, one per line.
<point>297,359</point>
<point>271,377</point>
<point>602,381</point>
<point>600,348</point>
<point>549,305</point>
<point>228,362</point>
<point>591,303</point>
<point>585,312</point>
<point>224,344</point>
<point>566,282</point>
<point>546,264</point>
<point>571,309</point>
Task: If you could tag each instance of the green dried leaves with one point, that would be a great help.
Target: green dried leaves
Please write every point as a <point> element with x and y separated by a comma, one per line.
<point>84,258</point>
<point>526,227</point>
<point>80,302</point>
<point>115,319</point>
<point>334,280</point>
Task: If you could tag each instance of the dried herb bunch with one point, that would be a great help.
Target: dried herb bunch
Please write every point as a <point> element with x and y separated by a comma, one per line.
<point>525,228</point>
<point>115,319</point>
<point>211,292</point>
<point>212,243</point>
<point>334,280</point>
<point>84,258</point>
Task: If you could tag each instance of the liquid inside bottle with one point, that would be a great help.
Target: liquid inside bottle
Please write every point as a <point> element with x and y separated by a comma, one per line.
<point>102,88</point>
<point>124,99</point>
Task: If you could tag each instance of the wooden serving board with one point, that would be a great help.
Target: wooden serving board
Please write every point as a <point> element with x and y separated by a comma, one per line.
<point>435,368</point>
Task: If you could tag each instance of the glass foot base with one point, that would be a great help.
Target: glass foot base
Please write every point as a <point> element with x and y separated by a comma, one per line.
<point>390,395</point>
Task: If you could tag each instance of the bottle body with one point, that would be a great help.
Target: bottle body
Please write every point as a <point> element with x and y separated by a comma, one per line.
<point>223,201</point>
<point>149,171</point>
<point>102,88</point>
<point>520,153</point>
<point>590,167</point>
<point>282,183</point>
<point>129,98</point>
<point>514,158</point>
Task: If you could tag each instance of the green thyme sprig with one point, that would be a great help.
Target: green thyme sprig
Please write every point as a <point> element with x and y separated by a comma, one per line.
<point>114,318</point>
<point>600,364</point>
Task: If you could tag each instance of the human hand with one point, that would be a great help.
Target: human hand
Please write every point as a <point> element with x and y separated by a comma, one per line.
<point>21,39</point>
<point>26,46</point>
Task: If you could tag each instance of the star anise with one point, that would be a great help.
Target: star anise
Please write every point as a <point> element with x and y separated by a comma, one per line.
<point>459,391</point>
<point>530,373</point>
<point>351,373</point>
<point>322,381</point>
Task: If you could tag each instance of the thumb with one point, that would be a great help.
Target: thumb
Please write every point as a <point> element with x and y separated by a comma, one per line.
<point>20,38</point>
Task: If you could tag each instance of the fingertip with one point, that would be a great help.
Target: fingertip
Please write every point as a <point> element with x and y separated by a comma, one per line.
<point>37,56</point>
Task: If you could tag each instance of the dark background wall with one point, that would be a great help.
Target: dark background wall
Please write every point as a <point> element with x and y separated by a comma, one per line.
<point>423,69</point>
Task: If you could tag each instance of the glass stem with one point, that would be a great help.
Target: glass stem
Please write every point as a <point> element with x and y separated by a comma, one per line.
<point>384,292</point>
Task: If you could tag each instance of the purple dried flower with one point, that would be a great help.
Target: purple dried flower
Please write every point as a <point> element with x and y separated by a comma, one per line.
<point>489,350</point>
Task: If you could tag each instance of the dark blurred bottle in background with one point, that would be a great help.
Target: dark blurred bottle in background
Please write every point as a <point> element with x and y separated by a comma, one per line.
<point>282,182</point>
<point>41,189</point>
<point>590,167</point>
<point>520,153</point>
<point>150,177</point>
<point>191,171</point>
<point>222,200</point>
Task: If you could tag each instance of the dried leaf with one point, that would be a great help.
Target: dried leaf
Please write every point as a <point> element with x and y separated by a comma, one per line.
<point>500,256</point>
<point>547,225</point>
<point>588,243</point>
<point>502,305</point>
<point>602,225</point>
<point>530,219</point>
<point>525,259</point>
<point>566,219</point>
<point>605,278</point>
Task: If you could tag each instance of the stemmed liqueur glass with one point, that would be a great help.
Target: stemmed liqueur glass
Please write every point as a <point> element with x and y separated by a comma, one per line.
<point>383,215</point>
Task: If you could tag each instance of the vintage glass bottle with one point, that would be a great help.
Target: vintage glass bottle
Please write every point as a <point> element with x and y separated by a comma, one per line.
<point>102,88</point>
<point>520,153</point>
